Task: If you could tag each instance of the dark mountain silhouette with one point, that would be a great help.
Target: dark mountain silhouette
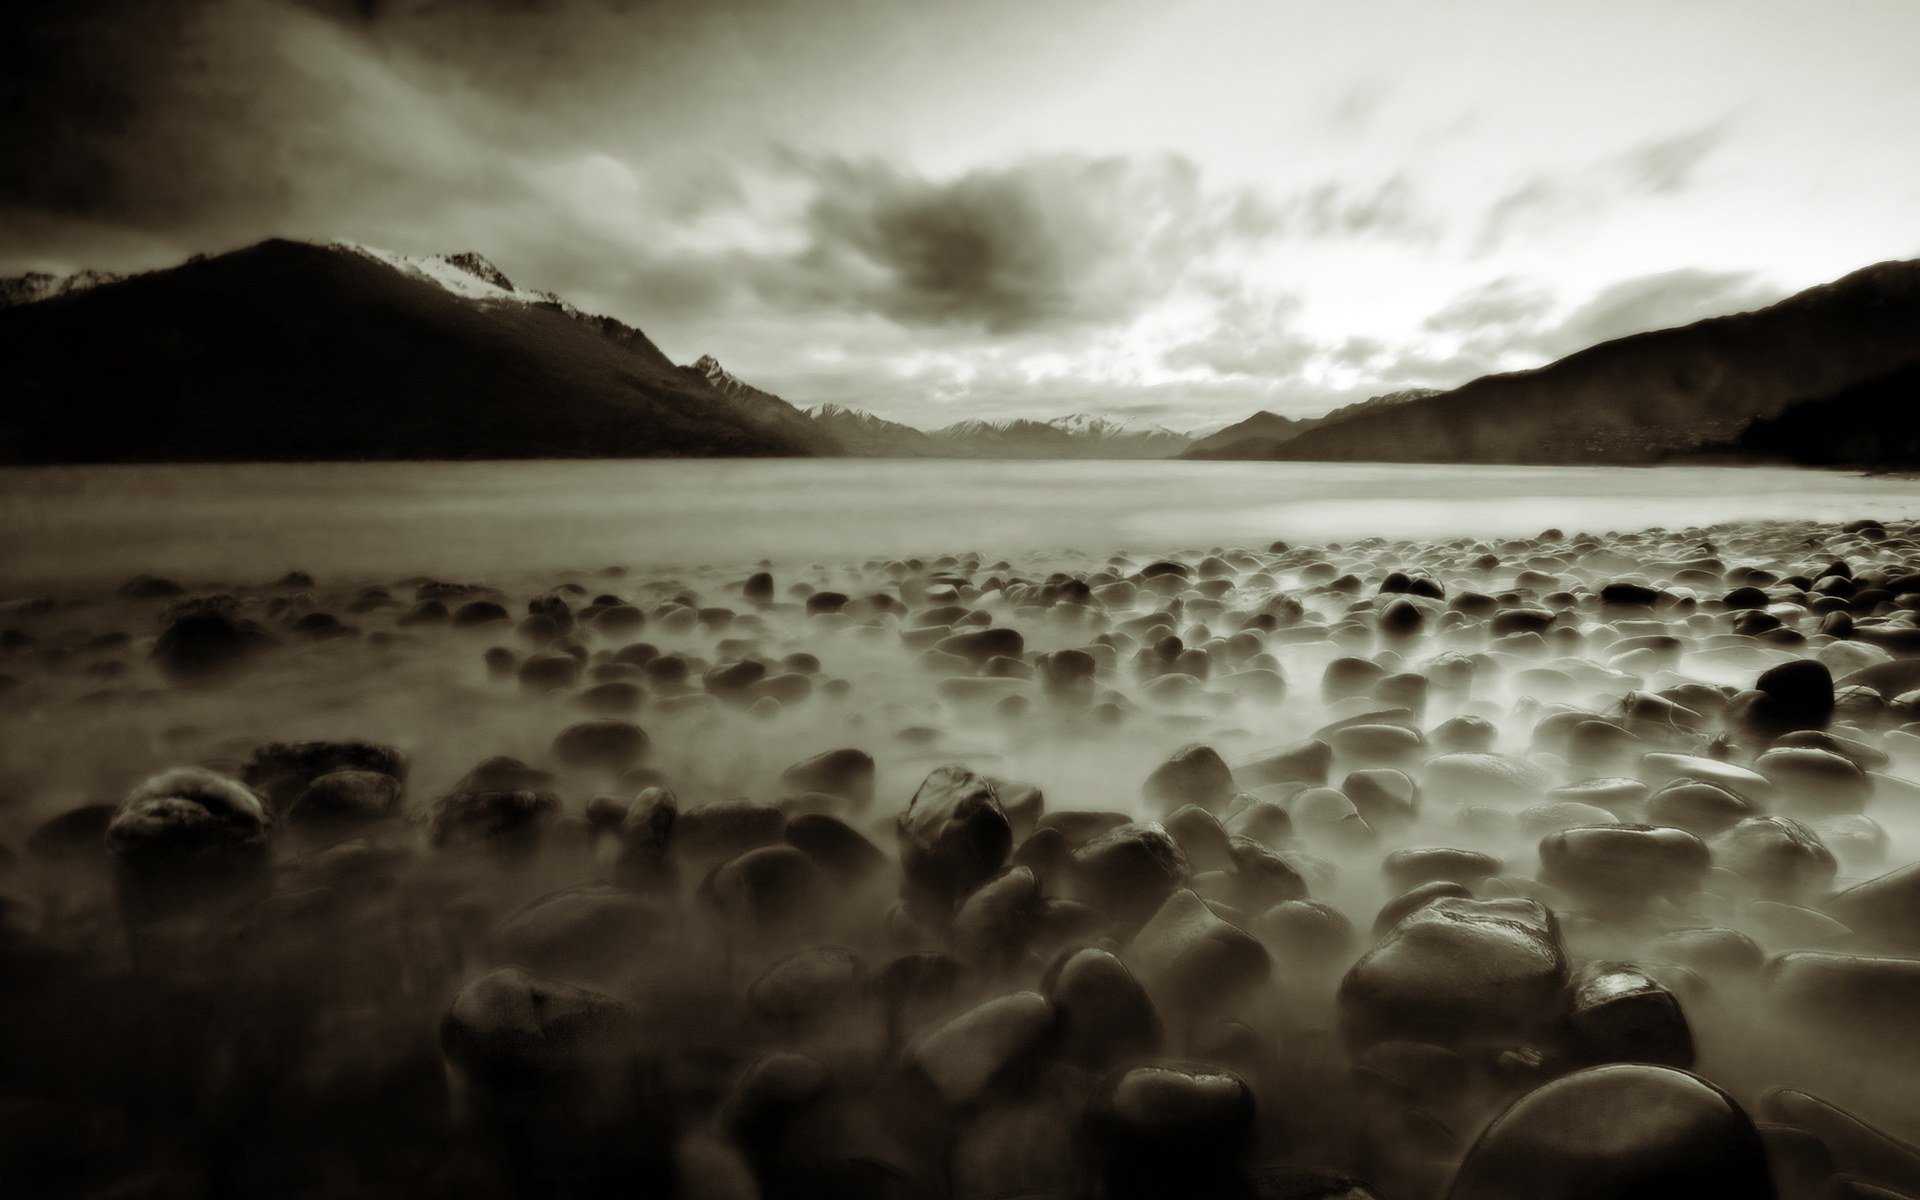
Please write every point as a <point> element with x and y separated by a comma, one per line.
<point>291,351</point>
<point>1871,424</point>
<point>1259,435</point>
<point>1647,397</point>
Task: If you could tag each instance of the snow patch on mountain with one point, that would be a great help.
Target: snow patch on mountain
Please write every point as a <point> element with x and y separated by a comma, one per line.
<point>466,274</point>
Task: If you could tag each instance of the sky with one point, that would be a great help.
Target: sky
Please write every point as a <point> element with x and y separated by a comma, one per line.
<point>1176,211</point>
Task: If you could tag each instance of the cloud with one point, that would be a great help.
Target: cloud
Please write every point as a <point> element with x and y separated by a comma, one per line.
<point>1660,167</point>
<point>1658,301</point>
<point>1051,240</point>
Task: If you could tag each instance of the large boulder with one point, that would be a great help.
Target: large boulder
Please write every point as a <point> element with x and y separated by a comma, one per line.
<point>1611,1132</point>
<point>281,771</point>
<point>1623,865</point>
<point>1193,774</point>
<point>953,837</point>
<point>185,836</point>
<point>1169,1129</point>
<point>1193,962</point>
<point>983,1048</point>
<point>847,773</point>
<point>1616,1012</point>
<point>1458,969</point>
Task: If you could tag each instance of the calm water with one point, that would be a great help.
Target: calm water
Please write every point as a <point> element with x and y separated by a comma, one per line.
<point>251,521</point>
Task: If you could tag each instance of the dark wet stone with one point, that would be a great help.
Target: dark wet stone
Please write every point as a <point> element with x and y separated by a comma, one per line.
<point>1616,1131</point>
<point>1862,1001</point>
<point>1714,952</point>
<point>953,837</point>
<point>604,744</point>
<point>1854,1146</point>
<point>819,982</point>
<point>1419,1071</point>
<point>581,934</point>
<point>734,680</point>
<point>1798,695</point>
<point>282,771</point>
<point>984,1048</point>
<point>188,835</point>
<point>847,773</point>
<point>77,835</point>
<point>1623,865</point>
<point>1201,837</point>
<point>1816,783</point>
<point>1778,857</point>
<point>1306,932</point>
<point>644,861</point>
<point>1458,969</point>
<point>994,924</point>
<point>1702,809</point>
<point>503,773</point>
<point>979,645</point>
<point>1415,897</point>
<point>1617,1012</point>
<point>1129,871</point>
<point>1106,1016</point>
<point>771,892</point>
<point>842,851</point>
<point>1169,1129</point>
<point>480,612</point>
<point>722,829</point>
<point>1262,877</point>
<point>548,671</point>
<point>425,612</point>
<point>505,822</point>
<point>1303,762</point>
<point>148,587</point>
<point>613,698</point>
<point>1192,961</point>
<point>1884,910</point>
<point>1385,797</point>
<point>346,798</point>
<point>1193,774</point>
<point>1410,868</point>
<point>204,645</point>
<point>1465,735</point>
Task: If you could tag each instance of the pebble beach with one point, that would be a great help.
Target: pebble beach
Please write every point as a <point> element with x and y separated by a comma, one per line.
<point>1548,866</point>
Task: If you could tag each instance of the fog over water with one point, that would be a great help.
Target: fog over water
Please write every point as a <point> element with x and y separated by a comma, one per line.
<point>100,524</point>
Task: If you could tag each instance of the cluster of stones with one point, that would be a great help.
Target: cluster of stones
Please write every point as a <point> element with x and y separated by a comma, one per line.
<point>1467,938</point>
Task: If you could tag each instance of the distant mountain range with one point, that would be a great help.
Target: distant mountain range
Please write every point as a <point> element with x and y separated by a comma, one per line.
<point>290,350</point>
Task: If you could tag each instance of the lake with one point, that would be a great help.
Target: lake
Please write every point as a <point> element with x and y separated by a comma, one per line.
<point>72,525</point>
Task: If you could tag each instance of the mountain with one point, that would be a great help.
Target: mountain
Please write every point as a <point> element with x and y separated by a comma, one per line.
<point>1646,397</point>
<point>35,286</point>
<point>1875,423</point>
<point>1262,433</point>
<point>289,350</point>
<point>1077,435</point>
<point>769,407</point>
<point>862,433</point>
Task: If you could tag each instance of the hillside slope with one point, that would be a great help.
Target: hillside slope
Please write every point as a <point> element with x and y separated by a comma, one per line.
<point>289,351</point>
<point>1646,397</point>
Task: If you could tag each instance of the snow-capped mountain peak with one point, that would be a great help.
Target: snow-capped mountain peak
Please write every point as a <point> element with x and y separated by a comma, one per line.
<point>466,274</point>
<point>1093,426</point>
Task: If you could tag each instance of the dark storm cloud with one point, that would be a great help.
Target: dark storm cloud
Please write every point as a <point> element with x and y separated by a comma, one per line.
<point>1046,241</point>
<point>1661,167</point>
